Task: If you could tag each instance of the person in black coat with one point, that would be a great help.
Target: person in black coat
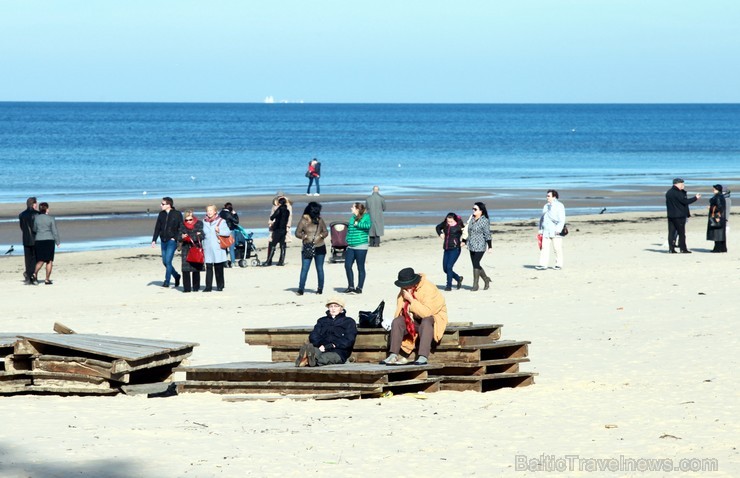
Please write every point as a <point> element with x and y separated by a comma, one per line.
<point>167,228</point>
<point>677,207</point>
<point>278,226</point>
<point>450,230</point>
<point>332,338</point>
<point>26,219</point>
<point>717,220</point>
<point>191,234</point>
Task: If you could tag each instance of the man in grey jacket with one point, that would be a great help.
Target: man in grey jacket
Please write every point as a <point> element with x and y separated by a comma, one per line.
<point>375,204</point>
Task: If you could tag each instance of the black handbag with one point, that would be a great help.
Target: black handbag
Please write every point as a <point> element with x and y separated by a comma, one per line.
<point>374,319</point>
<point>564,232</point>
<point>309,248</point>
<point>715,222</point>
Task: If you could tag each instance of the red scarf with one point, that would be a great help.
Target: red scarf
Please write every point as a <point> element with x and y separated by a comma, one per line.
<point>410,325</point>
<point>190,226</point>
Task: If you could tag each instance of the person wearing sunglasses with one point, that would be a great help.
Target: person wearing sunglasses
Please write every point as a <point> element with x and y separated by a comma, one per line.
<point>167,228</point>
<point>478,242</point>
<point>191,235</point>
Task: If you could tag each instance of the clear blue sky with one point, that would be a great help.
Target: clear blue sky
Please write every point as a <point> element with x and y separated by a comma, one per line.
<point>429,51</point>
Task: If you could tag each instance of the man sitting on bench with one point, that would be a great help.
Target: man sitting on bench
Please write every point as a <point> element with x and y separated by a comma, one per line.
<point>331,339</point>
<point>421,313</point>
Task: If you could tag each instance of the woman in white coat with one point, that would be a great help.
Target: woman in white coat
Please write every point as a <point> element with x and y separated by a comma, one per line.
<point>214,226</point>
<point>552,222</point>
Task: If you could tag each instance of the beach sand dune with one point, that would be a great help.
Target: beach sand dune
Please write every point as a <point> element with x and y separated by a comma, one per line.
<point>636,352</point>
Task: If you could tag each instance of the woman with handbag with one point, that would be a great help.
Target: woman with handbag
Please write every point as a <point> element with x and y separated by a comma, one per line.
<point>552,229</point>
<point>312,230</point>
<point>478,242</point>
<point>451,230</point>
<point>358,241</point>
<point>193,258</point>
<point>717,221</point>
<point>215,254</point>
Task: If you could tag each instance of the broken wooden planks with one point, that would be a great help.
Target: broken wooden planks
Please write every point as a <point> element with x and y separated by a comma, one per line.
<point>86,363</point>
<point>367,380</point>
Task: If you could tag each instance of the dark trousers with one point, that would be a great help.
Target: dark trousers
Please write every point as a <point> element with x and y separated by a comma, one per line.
<point>327,358</point>
<point>720,246</point>
<point>475,258</point>
<point>189,284</point>
<point>219,267</point>
<point>677,225</point>
<point>425,329</point>
<point>374,241</point>
<point>359,256</point>
<point>310,182</point>
<point>448,262</point>
<point>29,254</point>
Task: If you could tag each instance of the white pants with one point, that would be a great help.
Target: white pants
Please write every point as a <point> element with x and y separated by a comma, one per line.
<point>556,243</point>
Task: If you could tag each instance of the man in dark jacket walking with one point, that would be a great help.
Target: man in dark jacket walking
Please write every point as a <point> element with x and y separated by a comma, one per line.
<point>677,207</point>
<point>167,228</point>
<point>26,219</point>
<point>332,338</point>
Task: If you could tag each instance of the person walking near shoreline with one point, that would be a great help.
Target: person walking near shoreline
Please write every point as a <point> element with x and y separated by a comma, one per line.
<point>677,208</point>
<point>551,226</point>
<point>191,235</point>
<point>375,204</point>
<point>313,174</point>
<point>26,220</point>
<point>215,257</point>
<point>47,237</point>
<point>450,230</point>
<point>167,228</point>
<point>478,242</point>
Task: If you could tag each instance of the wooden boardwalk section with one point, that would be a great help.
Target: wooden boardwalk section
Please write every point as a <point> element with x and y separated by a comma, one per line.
<point>85,363</point>
<point>469,357</point>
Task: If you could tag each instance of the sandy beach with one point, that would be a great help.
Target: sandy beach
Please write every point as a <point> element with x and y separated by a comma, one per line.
<point>636,351</point>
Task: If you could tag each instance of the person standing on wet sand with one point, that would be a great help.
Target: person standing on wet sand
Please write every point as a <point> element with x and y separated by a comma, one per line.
<point>26,219</point>
<point>677,208</point>
<point>313,174</point>
<point>375,204</point>
<point>167,228</point>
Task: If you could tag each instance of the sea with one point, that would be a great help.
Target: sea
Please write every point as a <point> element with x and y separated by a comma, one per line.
<point>107,151</point>
<point>99,151</point>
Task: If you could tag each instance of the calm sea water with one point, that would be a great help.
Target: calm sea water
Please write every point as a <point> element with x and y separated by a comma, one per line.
<point>85,151</point>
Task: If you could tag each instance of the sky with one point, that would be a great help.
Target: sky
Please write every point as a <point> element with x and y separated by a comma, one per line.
<point>380,51</point>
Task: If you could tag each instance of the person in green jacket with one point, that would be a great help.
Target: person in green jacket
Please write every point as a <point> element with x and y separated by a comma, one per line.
<point>357,245</point>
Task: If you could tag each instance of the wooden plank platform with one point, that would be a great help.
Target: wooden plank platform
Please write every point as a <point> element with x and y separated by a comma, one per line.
<point>487,382</point>
<point>272,397</point>
<point>369,339</point>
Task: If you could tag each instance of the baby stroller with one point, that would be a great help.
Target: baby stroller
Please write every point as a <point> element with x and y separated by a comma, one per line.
<point>244,247</point>
<point>338,232</point>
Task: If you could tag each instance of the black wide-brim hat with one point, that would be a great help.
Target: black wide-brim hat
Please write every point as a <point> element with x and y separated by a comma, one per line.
<point>407,277</point>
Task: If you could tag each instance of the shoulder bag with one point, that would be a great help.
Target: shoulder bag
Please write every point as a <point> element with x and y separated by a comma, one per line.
<point>564,232</point>
<point>374,319</point>
<point>309,248</point>
<point>225,241</point>
<point>195,254</point>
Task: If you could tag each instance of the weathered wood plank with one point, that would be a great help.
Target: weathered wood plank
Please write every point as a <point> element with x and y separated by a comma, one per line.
<point>272,397</point>
<point>223,386</point>
<point>488,382</point>
<point>78,365</point>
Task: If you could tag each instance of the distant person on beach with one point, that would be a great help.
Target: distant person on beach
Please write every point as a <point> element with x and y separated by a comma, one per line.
<point>717,220</point>
<point>332,338</point>
<point>214,226</point>
<point>312,230</point>
<point>357,245</point>
<point>229,215</point>
<point>677,208</point>
<point>47,237</point>
<point>478,241</point>
<point>26,220</point>
<point>551,226</point>
<point>278,225</point>
<point>191,235</point>
<point>313,174</point>
<point>450,230</point>
<point>421,317</point>
<point>167,228</point>
<point>375,204</point>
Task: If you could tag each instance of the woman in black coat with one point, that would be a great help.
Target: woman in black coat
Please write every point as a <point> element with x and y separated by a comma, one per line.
<point>191,233</point>
<point>279,228</point>
<point>450,230</point>
<point>717,222</point>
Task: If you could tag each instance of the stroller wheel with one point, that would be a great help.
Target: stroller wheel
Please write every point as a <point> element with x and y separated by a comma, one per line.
<point>255,262</point>
<point>242,263</point>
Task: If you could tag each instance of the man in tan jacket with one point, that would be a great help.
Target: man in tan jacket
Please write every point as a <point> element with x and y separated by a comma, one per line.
<point>421,314</point>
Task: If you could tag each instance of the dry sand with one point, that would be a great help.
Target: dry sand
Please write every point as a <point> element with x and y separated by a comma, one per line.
<point>636,352</point>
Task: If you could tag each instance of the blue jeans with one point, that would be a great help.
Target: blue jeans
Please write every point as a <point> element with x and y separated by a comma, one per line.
<point>448,262</point>
<point>310,182</point>
<point>168,253</point>
<point>359,256</point>
<point>232,247</point>
<point>306,265</point>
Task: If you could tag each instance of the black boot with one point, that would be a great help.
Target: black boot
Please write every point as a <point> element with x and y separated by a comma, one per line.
<point>270,254</point>
<point>281,261</point>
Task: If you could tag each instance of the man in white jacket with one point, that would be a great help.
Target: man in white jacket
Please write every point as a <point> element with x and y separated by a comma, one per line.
<point>551,226</point>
